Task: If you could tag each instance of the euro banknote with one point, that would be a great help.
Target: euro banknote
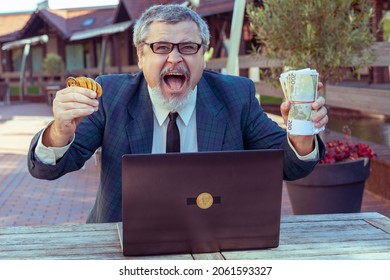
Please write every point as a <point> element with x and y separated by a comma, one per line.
<point>300,87</point>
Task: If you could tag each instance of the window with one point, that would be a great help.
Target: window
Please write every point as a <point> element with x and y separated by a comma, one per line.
<point>37,58</point>
<point>17,55</point>
<point>88,22</point>
<point>74,57</point>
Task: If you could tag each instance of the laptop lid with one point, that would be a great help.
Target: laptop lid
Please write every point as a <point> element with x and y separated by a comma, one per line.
<point>201,202</point>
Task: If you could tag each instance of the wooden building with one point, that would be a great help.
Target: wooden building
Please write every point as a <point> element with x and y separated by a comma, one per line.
<point>98,40</point>
<point>90,41</point>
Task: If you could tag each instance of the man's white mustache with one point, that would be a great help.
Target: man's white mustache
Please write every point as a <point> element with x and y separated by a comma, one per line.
<point>178,69</point>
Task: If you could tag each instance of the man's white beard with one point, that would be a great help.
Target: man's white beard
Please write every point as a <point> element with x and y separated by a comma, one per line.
<point>172,104</point>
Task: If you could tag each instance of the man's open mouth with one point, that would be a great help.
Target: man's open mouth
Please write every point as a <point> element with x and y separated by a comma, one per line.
<point>174,80</point>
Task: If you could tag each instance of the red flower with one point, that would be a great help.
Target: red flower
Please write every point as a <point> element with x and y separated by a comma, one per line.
<point>343,150</point>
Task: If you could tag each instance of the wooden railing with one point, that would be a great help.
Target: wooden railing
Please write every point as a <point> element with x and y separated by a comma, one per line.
<point>362,98</point>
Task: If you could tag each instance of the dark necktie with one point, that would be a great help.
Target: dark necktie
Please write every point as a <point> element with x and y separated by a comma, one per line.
<point>173,136</point>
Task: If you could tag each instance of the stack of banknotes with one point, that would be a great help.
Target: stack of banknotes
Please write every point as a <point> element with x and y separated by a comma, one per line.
<point>300,87</point>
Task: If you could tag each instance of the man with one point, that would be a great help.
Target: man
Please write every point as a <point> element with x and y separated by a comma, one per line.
<point>216,112</point>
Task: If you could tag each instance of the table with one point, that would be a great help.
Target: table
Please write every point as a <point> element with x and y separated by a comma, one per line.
<point>335,236</point>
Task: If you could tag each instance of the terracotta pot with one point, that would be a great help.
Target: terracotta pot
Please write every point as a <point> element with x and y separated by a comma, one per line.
<point>330,188</point>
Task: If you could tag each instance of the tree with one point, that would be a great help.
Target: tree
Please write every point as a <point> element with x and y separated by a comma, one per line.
<point>53,64</point>
<point>323,35</point>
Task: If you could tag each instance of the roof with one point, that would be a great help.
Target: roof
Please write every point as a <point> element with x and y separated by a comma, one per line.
<point>11,24</point>
<point>86,22</point>
<point>66,22</point>
<point>20,43</point>
<point>99,31</point>
<point>212,7</point>
<point>132,9</point>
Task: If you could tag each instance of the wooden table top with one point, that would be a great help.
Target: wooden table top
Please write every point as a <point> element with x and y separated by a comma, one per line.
<point>336,236</point>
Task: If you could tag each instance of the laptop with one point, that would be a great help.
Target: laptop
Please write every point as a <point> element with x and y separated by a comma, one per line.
<point>200,202</point>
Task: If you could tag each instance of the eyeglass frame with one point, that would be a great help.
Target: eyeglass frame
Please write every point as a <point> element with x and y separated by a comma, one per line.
<point>173,46</point>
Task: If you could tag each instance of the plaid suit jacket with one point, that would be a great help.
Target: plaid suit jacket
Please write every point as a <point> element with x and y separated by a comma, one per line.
<point>228,118</point>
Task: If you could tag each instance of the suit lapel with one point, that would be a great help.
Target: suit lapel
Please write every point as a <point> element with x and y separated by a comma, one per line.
<point>140,127</point>
<point>211,125</point>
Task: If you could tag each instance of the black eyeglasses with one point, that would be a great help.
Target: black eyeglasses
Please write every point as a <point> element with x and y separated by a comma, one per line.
<point>166,47</point>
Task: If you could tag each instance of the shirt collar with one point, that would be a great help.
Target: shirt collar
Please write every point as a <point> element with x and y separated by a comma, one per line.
<point>185,113</point>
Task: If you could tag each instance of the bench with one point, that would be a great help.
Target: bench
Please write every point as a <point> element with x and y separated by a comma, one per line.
<point>51,91</point>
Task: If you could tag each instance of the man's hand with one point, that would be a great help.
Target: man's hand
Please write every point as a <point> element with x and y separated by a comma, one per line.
<point>305,144</point>
<point>70,105</point>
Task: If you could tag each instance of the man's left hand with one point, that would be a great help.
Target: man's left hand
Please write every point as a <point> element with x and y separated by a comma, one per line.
<point>305,144</point>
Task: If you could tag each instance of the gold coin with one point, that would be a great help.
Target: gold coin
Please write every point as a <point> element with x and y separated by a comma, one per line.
<point>204,200</point>
<point>71,82</point>
<point>82,82</point>
<point>92,84</point>
<point>88,82</point>
<point>85,82</point>
<point>99,90</point>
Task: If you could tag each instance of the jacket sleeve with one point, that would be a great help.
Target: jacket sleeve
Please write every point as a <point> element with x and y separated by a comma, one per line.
<point>46,171</point>
<point>261,132</point>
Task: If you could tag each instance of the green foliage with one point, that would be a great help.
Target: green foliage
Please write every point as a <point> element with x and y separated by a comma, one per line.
<point>208,54</point>
<point>31,90</point>
<point>323,35</point>
<point>270,100</point>
<point>14,90</point>
<point>53,64</point>
<point>386,26</point>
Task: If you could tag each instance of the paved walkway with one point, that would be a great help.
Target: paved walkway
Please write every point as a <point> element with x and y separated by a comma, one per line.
<point>25,200</point>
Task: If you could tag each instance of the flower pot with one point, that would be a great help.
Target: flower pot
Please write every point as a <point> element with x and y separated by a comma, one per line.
<point>330,188</point>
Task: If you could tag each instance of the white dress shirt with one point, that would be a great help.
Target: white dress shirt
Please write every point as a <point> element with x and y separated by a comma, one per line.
<point>186,122</point>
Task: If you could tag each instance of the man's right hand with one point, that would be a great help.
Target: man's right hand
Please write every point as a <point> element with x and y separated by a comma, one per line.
<point>70,106</point>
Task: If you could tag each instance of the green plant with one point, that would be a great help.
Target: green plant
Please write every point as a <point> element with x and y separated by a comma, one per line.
<point>270,99</point>
<point>324,35</point>
<point>53,64</point>
<point>14,91</point>
<point>31,90</point>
